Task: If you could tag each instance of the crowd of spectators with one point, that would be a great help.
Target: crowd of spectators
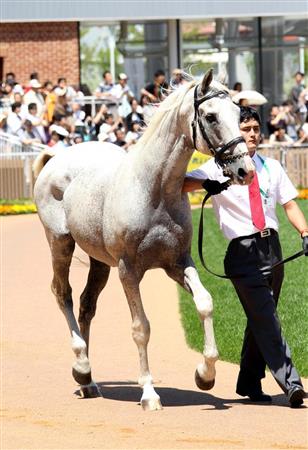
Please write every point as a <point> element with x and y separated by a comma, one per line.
<point>287,124</point>
<point>58,114</point>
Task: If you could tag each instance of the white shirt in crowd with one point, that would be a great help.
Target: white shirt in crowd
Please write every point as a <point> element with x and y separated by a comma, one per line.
<point>232,206</point>
<point>14,123</point>
<point>59,146</point>
<point>286,139</point>
<point>37,98</point>
<point>105,134</point>
<point>79,117</point>
<point>132,136</point>
<point>38,129</point>
<point>121,93</point>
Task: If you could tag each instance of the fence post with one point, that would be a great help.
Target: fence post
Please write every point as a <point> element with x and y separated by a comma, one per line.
<point>283,157</point>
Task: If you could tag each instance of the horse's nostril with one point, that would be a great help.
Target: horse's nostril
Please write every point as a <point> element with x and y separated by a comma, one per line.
<point>241,172</point>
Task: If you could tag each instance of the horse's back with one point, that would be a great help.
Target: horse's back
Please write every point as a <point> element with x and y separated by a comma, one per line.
<point>87,155</point>
<point>74,168</point>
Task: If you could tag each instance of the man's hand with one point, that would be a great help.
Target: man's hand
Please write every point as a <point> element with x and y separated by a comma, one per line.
<point>305,245</point>
<point>213,187</point>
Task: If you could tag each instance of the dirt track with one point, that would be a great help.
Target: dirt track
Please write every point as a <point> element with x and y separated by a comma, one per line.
<point>41,408</point>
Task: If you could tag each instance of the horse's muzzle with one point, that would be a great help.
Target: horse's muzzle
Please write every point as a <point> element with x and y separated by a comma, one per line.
<point>241,170</point>
<point>245,178</point>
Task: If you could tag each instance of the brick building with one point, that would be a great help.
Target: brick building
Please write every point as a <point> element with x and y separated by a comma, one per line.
<point>49,48</point>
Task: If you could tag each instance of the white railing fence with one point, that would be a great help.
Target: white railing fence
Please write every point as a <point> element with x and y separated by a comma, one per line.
<point>293,158</point>
<point>16,160</point>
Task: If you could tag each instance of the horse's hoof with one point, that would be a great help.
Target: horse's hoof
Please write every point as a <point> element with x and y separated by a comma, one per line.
<point>152,404</point>
<point>202,384</point>
<point>82,378</point>
<point>90,391</point>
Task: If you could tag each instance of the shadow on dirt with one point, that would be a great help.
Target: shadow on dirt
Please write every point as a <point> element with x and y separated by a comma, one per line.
<point>129,391</point>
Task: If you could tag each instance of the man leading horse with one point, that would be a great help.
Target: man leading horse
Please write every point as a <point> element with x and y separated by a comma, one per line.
<point>247,218</point>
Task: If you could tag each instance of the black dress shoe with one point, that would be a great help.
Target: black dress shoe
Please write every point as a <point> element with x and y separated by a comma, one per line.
<point>255,396</point>
<point>295,396</point>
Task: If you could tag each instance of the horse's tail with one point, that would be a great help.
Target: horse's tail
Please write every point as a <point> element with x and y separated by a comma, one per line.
<point>41,160</point>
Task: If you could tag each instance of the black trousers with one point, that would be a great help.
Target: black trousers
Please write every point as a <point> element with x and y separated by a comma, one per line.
<point>258,292</point>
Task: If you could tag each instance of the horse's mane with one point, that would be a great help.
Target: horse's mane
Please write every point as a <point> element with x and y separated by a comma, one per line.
<point>172,102</point>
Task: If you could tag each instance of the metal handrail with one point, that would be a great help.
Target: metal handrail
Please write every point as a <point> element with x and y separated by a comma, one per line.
<point>282,145</point>
<point>11,144</point>
<point>94,100</point>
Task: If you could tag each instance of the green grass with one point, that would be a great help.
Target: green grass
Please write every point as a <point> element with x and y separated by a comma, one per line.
<point>229,318</point>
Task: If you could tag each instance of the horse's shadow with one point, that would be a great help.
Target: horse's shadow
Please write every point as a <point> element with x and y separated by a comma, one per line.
<point>130,391</point>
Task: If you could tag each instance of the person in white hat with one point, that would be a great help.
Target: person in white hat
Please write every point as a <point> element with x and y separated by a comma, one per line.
<point>69,90</point>
<point>123,94</point>
<point>59,135</point>
<point>34,96</point>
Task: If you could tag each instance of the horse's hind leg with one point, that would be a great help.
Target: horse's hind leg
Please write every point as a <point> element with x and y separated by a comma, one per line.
<point>141,334</point>
<point>97,279</point>
<point>62,248</point>
<point>187,276</point>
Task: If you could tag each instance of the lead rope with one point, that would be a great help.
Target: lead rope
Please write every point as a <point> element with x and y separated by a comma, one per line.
<point>200,251</point>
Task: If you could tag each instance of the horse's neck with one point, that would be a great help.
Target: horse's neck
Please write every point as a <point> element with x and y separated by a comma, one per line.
<point>163,161</point>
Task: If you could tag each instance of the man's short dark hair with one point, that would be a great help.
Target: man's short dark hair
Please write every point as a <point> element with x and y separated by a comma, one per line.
<point>158,73</point>
<point>15,106</point>
<point>248,113</point>
<point>32,106</point>
<point>27,123</point>
<point>10,74</point>
<point>57,117</point>
<point>46,83</point>
<point>105,73</point>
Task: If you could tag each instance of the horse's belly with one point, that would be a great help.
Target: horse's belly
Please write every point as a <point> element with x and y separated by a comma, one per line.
<point>97,252</point>
<point>163,245</point>
<point>87,231</point>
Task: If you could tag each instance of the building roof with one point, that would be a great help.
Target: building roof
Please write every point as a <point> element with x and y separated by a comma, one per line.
<point>114,10</point>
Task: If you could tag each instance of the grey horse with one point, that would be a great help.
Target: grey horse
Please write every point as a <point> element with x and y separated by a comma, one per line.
<point>128,210</point>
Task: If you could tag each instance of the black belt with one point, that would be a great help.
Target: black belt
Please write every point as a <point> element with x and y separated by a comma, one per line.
<point>260,234</point>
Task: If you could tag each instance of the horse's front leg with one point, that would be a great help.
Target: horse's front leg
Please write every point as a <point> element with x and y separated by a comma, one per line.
<point>187,276</point>
<point>150,400</point>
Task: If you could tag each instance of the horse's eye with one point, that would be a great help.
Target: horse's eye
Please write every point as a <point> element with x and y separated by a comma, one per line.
<point>211,118</point>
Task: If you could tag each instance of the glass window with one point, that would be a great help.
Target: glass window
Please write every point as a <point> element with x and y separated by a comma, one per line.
<point>138,49</point>
<point>98,53</point>
<point>284,51</point>
<point>224,44</point>
<point>144,47</point>
<point>265,62</point>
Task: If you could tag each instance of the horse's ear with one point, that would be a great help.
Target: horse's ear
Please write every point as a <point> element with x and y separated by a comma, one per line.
<point>207,80</point>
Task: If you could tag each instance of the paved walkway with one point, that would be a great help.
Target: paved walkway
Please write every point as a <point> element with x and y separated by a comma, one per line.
<point>40,407</point>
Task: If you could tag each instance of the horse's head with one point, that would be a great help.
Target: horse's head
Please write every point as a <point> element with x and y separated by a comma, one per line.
<point>215,130</point>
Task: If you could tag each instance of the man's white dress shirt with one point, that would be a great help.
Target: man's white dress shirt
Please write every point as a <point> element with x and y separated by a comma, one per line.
<point>232,207</point>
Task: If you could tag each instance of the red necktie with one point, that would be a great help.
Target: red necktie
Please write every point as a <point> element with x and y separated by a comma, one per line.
<point>255,201</point>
